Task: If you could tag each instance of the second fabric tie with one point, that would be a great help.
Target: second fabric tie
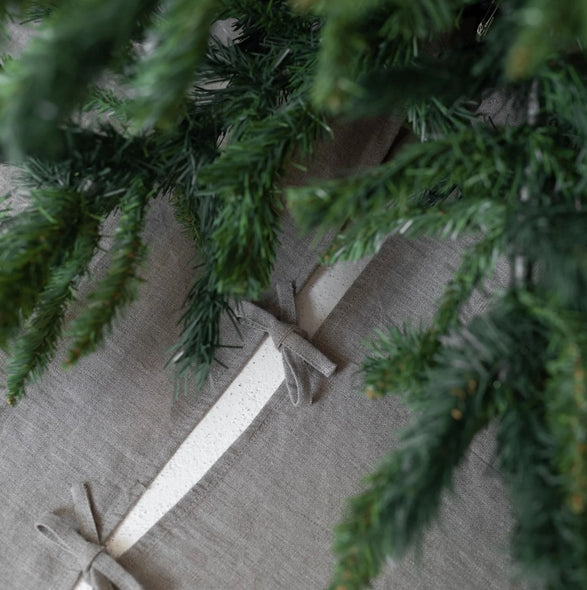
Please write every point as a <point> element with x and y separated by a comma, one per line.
<point>300,356</point>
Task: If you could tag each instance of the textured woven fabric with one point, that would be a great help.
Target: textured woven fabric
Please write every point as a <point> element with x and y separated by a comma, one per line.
<point>112,421</point>
<point>263,516</point>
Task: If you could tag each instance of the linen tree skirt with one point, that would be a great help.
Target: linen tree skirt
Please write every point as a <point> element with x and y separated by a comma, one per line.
<point>111,423</point>
<point>263,516</point>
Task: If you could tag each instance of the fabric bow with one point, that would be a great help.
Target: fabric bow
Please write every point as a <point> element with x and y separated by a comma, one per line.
<point>298,353</point>
<point>82,542</point>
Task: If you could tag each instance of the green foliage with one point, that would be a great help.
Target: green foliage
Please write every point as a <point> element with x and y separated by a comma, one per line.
<point>118,287</point>
<point>244,176</point>
<point>549,540</point>
<point>458,396</point>
<point>41,237</point>
<point>35,346</point>
<point>181,39</point>
<point>112,104</point>
<point>547,27</point>
<point>366,25</point>
<point>41,88</point>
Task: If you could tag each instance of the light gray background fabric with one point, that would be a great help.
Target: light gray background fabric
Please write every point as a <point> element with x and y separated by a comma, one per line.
<point>263,516</point>
<point>112,421</point>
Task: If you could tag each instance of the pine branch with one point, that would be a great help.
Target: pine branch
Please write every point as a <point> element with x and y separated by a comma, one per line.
<point>564,92</point>
<point>40,89</point>
<point>399,359</point>
<point>163,78</point>
<point>566,404</point>
<point>35,346</point>
<point>244,180</point>
<point>5,214</point>
<point>39,238</point>
<point>340,63</point>
<point>565,395</point>
<point>476,266</point>
<point>550,539</point>
<point>388,198</point>
<point>458,397</point>
<point>276,17</point>
<point>254,83</point>
<point>118,287</point>
<point>200,338</point>
<point>549,27</point>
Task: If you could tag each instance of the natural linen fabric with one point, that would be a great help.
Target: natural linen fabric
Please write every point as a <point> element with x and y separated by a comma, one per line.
<point>263,516</point>
<point>112,421</point>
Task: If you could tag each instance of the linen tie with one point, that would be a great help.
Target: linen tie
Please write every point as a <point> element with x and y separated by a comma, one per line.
<point>299,354</point>
<point>82,541</point>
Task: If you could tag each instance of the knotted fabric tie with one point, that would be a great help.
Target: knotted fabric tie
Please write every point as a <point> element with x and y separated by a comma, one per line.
<point>298,353</point>
<point>82,542</point>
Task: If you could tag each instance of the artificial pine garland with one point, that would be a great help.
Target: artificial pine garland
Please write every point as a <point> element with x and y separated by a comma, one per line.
<point>213,126</point>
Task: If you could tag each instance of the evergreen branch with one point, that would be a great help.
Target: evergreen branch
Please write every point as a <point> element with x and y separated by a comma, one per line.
<point>244,179</point>
<point>445,220</point>
<point>200,337</point>
<point>564,92</point>
<point>35,346</point>
<point>340,63</point>
<point>398,359</point>
<point>253,84</point>
<point>107,103</point>
<point>476,266</point>
<point>457,399</point>
<point>118,287</point>
<point>431,119</point>
<point>566,415</point>
<point>163,78</point>
<point>38,239</point>
<point>276,17</point>
<point>565,395</point>
<point>480,162</point>
<point>40,89</point>
<point>553,238</point>
<point>547,27</point>
<point>5,214</point>
<point>550,539</point>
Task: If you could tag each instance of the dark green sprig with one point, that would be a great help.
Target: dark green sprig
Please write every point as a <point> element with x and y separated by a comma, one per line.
<point>566,403</point>
<point>564,92</point>
<point>196,349</point>
<point>164,77</point>
<point>476,267</point>
<point>118,287</point>
<point>41,88</point>
<point>547,28</point>
<point>39,238</point>
<point>244,180</point>
<point>550,538</point>
<point>398,360</point>
<point>341,64</point>
<point>35,346</point>
<point>392,197</point>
